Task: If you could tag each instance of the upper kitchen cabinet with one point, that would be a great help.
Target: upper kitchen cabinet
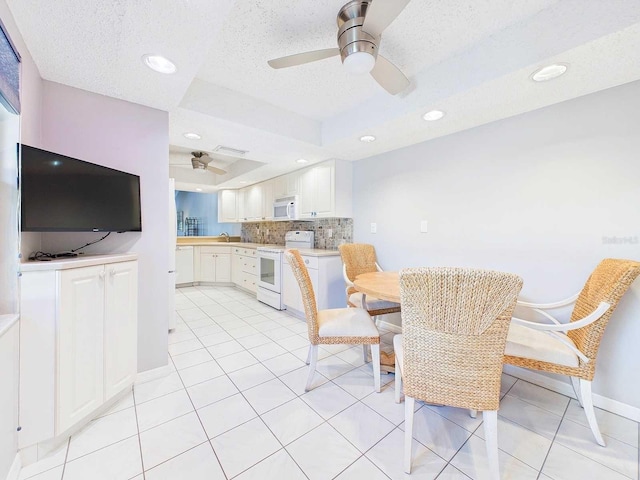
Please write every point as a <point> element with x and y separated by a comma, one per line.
<point>286,185</point>
<point>228,206</point>
<point>325,190</point>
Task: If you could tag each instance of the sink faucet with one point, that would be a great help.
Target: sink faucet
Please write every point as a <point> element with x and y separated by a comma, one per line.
<point>225,234</point>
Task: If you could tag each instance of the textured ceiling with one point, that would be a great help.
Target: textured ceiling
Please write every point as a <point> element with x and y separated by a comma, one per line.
<point>470,58</point>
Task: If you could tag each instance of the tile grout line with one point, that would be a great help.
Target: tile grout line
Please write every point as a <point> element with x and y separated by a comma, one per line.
<point>135,410</point>
<point>553,441</point>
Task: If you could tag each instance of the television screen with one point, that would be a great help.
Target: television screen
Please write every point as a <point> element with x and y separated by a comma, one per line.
<point>63,194</point>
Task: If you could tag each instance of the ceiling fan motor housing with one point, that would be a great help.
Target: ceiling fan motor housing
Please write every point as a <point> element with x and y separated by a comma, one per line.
<point>351,37</point>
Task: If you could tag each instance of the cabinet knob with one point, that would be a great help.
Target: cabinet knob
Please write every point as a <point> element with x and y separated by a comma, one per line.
<point>101,275</point>
<point>307,262</point>
<point>112,272</point>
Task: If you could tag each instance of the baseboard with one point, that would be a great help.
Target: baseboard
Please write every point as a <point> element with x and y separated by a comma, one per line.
<point>605,403</point>
<point>392,327</point>
<point>14,471</point>
<point>148,375</point>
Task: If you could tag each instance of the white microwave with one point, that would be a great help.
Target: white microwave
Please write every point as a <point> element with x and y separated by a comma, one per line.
<point>285,209</point>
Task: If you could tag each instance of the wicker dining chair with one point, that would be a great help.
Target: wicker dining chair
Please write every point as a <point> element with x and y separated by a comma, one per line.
<point>360,258</point>
<point>454,330</point>
<point>571,348</point>
<point>351,326</point>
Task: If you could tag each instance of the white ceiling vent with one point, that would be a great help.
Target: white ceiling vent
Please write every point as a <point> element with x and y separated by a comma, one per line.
<point>222,150</point>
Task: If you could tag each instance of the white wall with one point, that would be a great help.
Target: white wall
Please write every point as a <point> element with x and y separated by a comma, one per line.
<point>135,139</point>
<point>535,195</point>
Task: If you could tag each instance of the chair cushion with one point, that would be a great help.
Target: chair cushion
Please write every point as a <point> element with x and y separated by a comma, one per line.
<point>535,344</point>
<point>397,348</point>
<point>346,322</point>
<point>373,303</point>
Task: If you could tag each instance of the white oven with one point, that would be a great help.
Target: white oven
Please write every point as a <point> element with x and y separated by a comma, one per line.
<point>270,267</point>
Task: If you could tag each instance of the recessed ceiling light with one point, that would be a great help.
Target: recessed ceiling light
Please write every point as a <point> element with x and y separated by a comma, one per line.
<point>367,138</point>
<point>549,72</point>
<point>242,182</point>
<point>192,136</point>
<point>433,115</point>
<point>198,189</point>
<point>159,63</point>
<point>301,160</point>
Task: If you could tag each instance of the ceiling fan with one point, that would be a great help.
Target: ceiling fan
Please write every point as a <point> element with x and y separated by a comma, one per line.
<point>360,27</point>
<point>201,160</point>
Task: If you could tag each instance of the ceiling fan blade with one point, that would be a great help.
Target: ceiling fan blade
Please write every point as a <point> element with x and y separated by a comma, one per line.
<point>389,76</point>
<point>301,58</point>
<point>380,14</point>
<point>217,171</point>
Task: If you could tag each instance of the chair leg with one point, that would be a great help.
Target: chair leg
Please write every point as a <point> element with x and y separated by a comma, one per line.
<point>313,353</point>
<point>409,403</point>
<point>375,360</point>
<point>575,383</point>
<point>365,353</point>
<point>490,419</point>
<point>587,402</point>
<point>398,383</point>
<point>473,413</point>
<point>309,354</point>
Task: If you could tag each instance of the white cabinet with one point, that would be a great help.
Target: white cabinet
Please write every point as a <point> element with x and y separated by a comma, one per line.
<point>267,200</point>
<point>244,271</point>
<point>228,206</point>
<point>286,185</point>
<point>78,342</point>
<point>184,264</point>
<point>326,277</point>
<point>325,190</point>
<point>213,264</point>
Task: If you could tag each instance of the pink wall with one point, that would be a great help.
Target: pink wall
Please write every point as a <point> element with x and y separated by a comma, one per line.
<point>135,139</point>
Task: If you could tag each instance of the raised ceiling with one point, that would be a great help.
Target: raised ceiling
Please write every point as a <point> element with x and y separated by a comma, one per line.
<point>470,58</point>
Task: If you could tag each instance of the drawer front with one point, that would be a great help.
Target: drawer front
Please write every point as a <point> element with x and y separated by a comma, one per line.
<point>249,281</point>
<point>249,265</point>
<point>214,250</point>
<point>249,252</point>
<point>310,262</point>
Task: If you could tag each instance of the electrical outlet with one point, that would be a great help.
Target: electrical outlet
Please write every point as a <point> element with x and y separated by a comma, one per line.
<point>423,226</point>
<point>374,228</point>
<point>329,233</point>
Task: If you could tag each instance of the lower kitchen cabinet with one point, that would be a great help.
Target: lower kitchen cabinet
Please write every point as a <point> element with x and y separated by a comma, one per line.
<point>325,273</point>
<point>78,342</point>
<point>214,264</point>
<point>245,268</point>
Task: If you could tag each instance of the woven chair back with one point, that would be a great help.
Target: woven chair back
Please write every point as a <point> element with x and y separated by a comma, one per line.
<point>608,283</point>
<point>454,329</point>
<point>301,274</point>
<point>358,258</point>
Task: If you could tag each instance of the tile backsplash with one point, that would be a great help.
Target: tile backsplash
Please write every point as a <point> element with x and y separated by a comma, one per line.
<point>273,232</point>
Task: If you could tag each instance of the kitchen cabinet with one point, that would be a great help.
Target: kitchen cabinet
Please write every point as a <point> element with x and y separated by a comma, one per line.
<point>245,268</point>
<point>213,264</point>
<point>228,206</point>
<point>286,185</point>
<point>78,341</point>
<point>267,200</point>
<point>325,190</point>
<point>325,273</point>
<point>184,265</point>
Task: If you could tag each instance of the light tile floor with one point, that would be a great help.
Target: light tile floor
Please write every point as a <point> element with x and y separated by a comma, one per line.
<point>234,406</point>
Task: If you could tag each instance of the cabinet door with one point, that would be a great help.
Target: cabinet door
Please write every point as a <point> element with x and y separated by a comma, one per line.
<point>184,265</point>
<point>120,327</point>
<point>223,267</point>
<point>207,267</point>
<point>80,362</point>
<point>267,200</point>
<point>291,295</point>
<point>325,190</point>
<point>307,192</point>
<point>236,266</point>
<point>227,206</point>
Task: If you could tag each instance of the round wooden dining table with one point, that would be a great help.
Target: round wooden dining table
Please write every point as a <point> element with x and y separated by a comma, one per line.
<point>383,285</point>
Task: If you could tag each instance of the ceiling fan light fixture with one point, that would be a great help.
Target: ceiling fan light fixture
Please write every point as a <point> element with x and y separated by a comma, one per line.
<point>359,63</point>
<point>159,63</point>
<point>549,72</point>
<point>367,138</point>
<point>433,115</point>
<point>192,136</point>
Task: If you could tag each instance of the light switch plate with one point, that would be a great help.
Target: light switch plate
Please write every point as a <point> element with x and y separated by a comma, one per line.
<point>329,233</point>
<point>374,228</point>
<point>423,226</point>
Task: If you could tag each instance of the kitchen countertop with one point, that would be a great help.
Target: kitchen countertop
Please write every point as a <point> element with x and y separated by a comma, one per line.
<point>64,263</point>
<point>313,252</point>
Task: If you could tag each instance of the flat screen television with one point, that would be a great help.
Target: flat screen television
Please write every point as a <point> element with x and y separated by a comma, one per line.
<point>64,194</point>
